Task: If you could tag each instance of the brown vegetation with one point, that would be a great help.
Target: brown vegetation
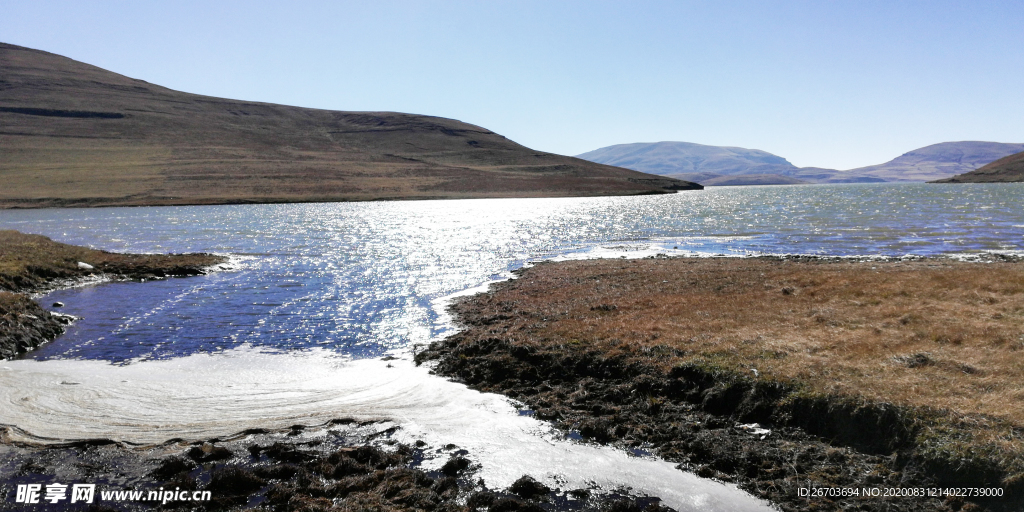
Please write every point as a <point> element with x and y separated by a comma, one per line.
<point>32,262</point>
<point>921,358</point>
<point>938,334</point>
<point>77,135</point>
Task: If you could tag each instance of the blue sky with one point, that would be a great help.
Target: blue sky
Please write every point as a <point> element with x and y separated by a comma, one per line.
<point>837,84</point>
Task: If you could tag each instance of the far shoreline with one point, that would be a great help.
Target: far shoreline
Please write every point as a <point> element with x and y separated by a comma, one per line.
<point>91,203</point>
<point>100,203</point>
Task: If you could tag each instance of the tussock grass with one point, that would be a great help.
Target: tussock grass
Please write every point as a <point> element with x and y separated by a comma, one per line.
<point>941,338</point>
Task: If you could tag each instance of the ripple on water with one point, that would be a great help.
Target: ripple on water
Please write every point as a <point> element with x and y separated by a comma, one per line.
<point>363,278</point>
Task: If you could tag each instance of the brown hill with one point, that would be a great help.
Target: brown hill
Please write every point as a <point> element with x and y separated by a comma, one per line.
<point>1005,170</point>
<point>72,134</point>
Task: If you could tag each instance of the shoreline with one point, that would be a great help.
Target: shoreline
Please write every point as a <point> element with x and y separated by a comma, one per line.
<point>31,265</point>
<point>575,341</point>
<point>502,445</point>
<point>718,406</point>
<point>282,472</point>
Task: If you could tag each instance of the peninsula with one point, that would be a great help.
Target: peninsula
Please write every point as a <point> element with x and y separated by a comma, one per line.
<point>34,263</point>
<point>72,134</point>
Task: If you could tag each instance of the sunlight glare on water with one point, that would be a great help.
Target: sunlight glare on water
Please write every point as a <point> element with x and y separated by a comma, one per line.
<point>363,278</point>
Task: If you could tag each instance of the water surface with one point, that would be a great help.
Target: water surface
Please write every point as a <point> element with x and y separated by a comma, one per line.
<point>364,278</point>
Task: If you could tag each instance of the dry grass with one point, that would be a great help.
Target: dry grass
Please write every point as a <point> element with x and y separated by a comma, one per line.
<point>931,335</point>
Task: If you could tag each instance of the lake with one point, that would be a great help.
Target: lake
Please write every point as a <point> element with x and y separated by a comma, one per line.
<point>365,278</point>
<point>292,332</point>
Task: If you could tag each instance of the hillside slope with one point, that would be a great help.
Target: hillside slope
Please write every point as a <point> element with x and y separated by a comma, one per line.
<point>72,134</point>
<point>716,165</point>
<point>1005,170</point>
<point>686,157</point>
<point>940,161</point>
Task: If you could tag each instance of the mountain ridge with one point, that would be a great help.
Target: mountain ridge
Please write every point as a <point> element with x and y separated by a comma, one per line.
<point>942,160</point>
<point>73,134</point>
<point>719,165</point>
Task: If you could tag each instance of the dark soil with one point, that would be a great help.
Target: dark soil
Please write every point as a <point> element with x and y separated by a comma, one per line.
<point>24,325</point>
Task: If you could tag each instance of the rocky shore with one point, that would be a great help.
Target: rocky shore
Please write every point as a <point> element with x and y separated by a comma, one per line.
<point>31,264</point>
<point>25,325</point>
<point>779,374</point>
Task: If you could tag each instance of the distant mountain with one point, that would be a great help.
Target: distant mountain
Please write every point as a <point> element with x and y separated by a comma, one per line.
<point>940,161</point>
<point>72,134</point>
<point>822,175</point>
<point>710,165</point>
<point>666,158</point>
<point>715,165</point>
<point>1005,170</point>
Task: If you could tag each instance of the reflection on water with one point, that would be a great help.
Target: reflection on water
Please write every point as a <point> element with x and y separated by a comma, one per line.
<point>363,278</point>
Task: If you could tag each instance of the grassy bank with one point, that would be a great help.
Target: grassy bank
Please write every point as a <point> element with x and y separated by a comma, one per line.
<point>878,374</point>
<point>34,263</point>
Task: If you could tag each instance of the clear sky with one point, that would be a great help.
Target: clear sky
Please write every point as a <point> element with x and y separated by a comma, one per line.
<point>828,83</point>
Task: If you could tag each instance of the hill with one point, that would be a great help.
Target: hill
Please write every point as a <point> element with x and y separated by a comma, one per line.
<point>1005,170</point>
<point>710,165</point>
<point>716,165</point>
<point>940,161</point>
<point>666,158</point>
<point>72,134</point>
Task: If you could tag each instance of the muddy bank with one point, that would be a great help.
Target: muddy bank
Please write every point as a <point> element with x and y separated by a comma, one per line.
<point>342,466</point>
<point>635,353</point>
<point>32,264</point>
